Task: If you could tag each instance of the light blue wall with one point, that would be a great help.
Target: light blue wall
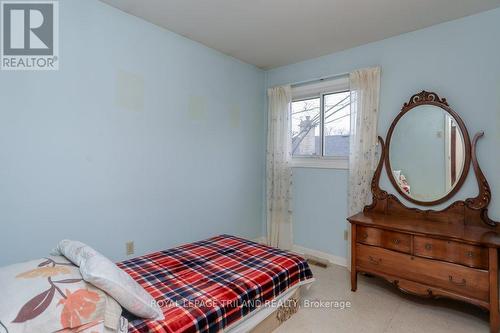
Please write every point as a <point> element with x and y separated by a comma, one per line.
<point>317,210</point>
<point>459,60</point>
<point>76,163</point>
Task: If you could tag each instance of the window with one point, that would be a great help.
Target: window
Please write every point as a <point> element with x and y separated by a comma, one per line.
<point>320,124</point>
<point>305,127</point>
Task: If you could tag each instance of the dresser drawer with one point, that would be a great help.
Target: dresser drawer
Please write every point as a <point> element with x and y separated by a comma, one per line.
<point>466,281</point>
<point>387,239</point>
<point>469,255</point>
<point>370,236</point>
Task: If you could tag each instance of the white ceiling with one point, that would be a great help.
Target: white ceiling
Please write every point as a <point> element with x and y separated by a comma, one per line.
<point>272,33</point>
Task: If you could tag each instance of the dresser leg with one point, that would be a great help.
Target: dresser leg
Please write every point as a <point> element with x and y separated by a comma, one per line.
<point>493,269</point>
<point>354,280</point>
<point>354,273</point>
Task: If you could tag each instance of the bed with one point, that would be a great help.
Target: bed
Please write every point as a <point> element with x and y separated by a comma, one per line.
<point>224,283</point>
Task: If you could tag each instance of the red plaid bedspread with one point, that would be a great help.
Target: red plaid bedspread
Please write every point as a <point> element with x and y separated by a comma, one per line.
<point>208,285</point>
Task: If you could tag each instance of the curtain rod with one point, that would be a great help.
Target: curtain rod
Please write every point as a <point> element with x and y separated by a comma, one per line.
<point>326,78</point>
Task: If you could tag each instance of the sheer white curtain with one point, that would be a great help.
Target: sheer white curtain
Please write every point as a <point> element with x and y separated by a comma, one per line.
<point>279,172</point>
<point>365,91</point>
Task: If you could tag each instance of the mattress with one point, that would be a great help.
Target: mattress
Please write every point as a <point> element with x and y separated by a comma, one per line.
<point>249,322</point>
<point>210,285</point>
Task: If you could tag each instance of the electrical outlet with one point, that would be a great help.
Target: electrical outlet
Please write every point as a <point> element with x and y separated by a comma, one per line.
<point>130,248</point>
<point>346,235</point>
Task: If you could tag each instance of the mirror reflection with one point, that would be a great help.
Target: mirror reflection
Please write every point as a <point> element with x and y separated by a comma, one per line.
<point>427,153</point>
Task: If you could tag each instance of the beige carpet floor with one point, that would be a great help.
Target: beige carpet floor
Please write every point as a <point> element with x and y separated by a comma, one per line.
<point>379,307</point>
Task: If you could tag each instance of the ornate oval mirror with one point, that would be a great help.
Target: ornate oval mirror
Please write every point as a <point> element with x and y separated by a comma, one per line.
<point>428,150</point>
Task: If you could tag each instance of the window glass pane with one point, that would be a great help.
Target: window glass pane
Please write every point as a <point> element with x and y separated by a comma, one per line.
<point>305,127</point>
<point>337,124</point>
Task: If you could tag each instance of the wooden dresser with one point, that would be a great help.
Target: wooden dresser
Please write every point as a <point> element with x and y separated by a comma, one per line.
<point>450,253</point>
<point>421,258</point>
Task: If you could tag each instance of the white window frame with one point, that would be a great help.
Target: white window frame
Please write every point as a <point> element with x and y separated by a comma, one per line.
<point>318,90</point>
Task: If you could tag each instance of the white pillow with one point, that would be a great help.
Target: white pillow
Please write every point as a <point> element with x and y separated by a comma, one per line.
<point>105,275</point>
<point>74,251</point>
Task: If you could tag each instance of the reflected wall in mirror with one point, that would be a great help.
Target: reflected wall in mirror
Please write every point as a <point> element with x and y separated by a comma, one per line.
<point>428,150</point>
<point>427,153</point>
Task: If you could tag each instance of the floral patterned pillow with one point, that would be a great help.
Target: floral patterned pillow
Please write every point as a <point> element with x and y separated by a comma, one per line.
<point>49,295</point>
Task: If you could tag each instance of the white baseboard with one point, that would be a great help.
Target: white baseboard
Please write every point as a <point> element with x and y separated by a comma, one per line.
<point>335,260</point>
<point>340,261</point>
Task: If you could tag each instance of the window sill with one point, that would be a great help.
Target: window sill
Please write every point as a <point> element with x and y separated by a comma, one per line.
<point>320,163</point>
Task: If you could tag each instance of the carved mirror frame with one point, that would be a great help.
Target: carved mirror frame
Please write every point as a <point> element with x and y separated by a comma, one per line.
<point>429,98</point>
<point>472,211</point>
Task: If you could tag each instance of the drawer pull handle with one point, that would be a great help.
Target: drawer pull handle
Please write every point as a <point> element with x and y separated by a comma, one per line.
<point>428,246</point>
<point>365,235</point>
<point>460,284</point>
<point>374,261</point>
<point>470,254</point>
<point>396,241</point>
